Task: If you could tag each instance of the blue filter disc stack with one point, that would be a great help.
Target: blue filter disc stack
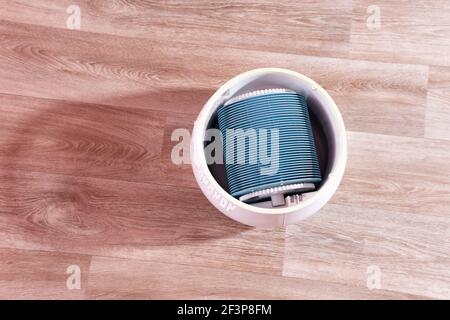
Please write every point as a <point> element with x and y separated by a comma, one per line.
<point>297,167</point>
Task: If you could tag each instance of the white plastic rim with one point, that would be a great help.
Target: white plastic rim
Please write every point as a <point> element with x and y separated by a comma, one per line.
<point>328,114</point>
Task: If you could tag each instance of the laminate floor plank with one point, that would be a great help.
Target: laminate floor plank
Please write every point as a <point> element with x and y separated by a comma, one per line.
<point>351,245</point>
<point>103,69</point>
<point>42,275</point>
<point>267,25</point>
<point>80,139</point>
<point>396,174</point>
<point>122,278</point>
<point>408,32</point>
<point>438,106</point>
<point>132,220</point>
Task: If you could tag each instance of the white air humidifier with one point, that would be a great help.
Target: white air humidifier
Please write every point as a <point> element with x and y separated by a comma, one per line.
<point>313,149</point>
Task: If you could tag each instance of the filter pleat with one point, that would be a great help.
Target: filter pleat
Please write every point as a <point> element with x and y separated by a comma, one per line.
<point>286,112</point>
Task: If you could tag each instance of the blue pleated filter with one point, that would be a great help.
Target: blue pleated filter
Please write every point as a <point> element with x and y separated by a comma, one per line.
<point>281,116</point>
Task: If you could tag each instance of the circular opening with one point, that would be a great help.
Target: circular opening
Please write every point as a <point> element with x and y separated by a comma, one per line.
<point>328,131</point>
<point>323,145</point>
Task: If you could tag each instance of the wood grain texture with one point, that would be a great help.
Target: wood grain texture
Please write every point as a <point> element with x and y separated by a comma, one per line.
<point>86,175</point>
<point>268,25</point>
<point>181,172</point>
<point>35,274</point>
<point>374,97</point>
<point>112,278</point>
<point>438,104</point>
<point>410,32</point>
<point>396,173</point>
<point>349,240</point>
<point>80,139</point>
<point>144,221</point>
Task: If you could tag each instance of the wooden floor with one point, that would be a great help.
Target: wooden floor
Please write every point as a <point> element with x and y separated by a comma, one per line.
<point>86,177</point>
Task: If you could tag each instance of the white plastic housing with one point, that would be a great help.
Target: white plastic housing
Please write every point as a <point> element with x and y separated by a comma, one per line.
<point>329,117</point>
